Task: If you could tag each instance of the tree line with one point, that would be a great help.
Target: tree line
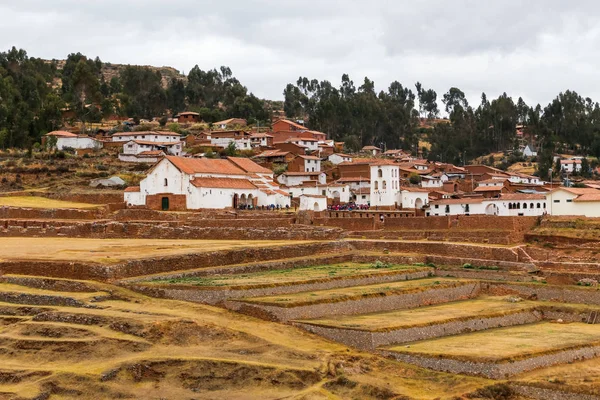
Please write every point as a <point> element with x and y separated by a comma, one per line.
<point>35,92</point>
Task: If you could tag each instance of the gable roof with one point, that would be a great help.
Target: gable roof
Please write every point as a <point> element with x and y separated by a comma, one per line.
<point>248,165</point>
<point>145,133</point>
<point>291,123</point>
<point>61,134</point>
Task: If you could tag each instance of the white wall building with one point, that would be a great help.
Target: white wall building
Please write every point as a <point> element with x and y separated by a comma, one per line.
<point>336,193</point>
<point>299,178</point>
<point>338,158</point>
<point>70,140</point>
<point>574,201</point>
<point>464,206</point>
<point>311,202</point>
<point>414,197</point>
<point>385,184</point>
<point>310,144</point>
<point>570,166</point>
<point>517,204</point>
<point>433,181</point>
<point>529,151</point>
<point>147,151</point>
<point>147,136</point>
<point>201,183</point>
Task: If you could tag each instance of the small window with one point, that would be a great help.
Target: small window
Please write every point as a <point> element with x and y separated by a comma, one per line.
<point>569,200</point>
<point>166,182</point>
<point>437,206</point>
<point>557,201</point>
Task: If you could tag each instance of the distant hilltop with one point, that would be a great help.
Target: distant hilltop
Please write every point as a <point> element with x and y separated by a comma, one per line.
<point>110,71</point>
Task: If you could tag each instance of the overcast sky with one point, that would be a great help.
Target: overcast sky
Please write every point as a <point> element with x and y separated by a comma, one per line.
<point>529,48</point>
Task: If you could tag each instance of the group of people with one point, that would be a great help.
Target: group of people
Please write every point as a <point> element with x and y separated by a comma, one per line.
<point>270,207</point>
<point>348,207</point>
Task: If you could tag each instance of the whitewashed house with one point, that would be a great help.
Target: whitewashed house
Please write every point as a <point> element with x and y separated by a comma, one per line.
<point>178,183</point>
<point>70,140</point>
<point>574,201</point>
<point>338,158</point>
<point>298,178</point>
<point>338,194</point>
<point>434,181</point>
<point>570,166</point>
<point>222,139</point>
<point>147,136</point>
<point>309,143</point>
<point>148,152</point>
<point>361,195</point>
<point>529,151</point>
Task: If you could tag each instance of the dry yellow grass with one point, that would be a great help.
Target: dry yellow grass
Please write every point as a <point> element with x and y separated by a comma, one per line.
<point>134,346</point>
<point>437,314</point>
<point>507,343</point>
<point>41,202</point>
<point>117,250</point>
<point>343,294</point>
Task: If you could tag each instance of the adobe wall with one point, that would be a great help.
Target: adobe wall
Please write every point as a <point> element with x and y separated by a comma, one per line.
<point>538,393</point>
<point>52,213</point>
<point>495,370</point>
<point>465,251</point>
<point>177,202</point>
<point>359,306</point>
<point>562,294</point>
<point>218,295</point>
<point>365,340</point>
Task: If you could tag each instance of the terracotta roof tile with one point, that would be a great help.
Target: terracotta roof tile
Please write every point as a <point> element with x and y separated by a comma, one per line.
<point>61,134</point>
<point>249,166</point>
<point>223,183</point>
<point>146,133</point>
<point>205,165</point>
<point>132,189</point>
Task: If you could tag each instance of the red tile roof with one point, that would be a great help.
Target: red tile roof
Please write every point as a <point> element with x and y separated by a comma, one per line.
<point>522,196</point>
<point>132,189</point>
<point>145,133</point>
<point>223,183</point>
<point>295,125</point>
<point>205,165</point>
<point>61,134</point>
<point>249,166</point>
<point>588,197</point>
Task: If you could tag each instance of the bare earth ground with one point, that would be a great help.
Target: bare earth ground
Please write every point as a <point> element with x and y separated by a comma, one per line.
<point>117,250</point>
<point>114,343</point>
<point>41,202</point>
<point>507,343</point>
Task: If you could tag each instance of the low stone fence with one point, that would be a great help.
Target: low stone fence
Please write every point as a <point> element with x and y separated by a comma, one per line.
<point>500,370</point>
<point>218,295</point>
<point>371,340</point>
<point>367,304</point>
<point>539,291</point>
<point>538,393</point>
<point>52,213</point>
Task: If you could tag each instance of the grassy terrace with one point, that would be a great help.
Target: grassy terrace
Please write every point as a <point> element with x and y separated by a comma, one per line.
<point>41,202</point>
<point>291,276</point>
<point>507,344</point>
<point>109,251</point>
<point>580,377</point>
<point>356,292</point>
<point>483,307</point>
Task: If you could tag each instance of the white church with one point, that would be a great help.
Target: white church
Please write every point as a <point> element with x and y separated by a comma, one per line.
<point>179,183</point>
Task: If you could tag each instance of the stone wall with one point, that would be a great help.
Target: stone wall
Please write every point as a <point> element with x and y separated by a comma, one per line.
<point>177,202</point>
<point>501,370</point>
<point>52,213</point>
<point>434,295</point>
<point>561,294</point>
<point>367,340</point>
<point>218,295</point>
<point>539,393</point>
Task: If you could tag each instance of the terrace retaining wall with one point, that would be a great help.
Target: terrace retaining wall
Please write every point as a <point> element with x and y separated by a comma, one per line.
<point>538,393</point>
<point>561,294</point>
<point>219,295</point>
<point>492,370</point>
<point>367,304</point>
<point>368,340</point>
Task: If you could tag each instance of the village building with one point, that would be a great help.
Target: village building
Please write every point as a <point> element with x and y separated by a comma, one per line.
<point>574,201</point>
<point>147,136</point>
<point>230,123</point>
<point>148,151</point>
<point>356,183</point>
<point>261,140</point>
<point>462,206</point>
<point>433,181</point>
<point>177,183</point>
<point>335,193</point>
<point>70,140</point>
<point>491,187</point>
<point>310,144</point>
<point>395,154</point>
<point>188,117</point>
<point>290,178</point>
<point>287,125</point>
<point>302,163</point>
<point>570,166</point>
<point>516,205</point>
<point>338,158</point>
<point>291,147</point>
<point>371,150</point>
<point>529,151</point>
<point>271,157</point>
<point>241,139</point>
